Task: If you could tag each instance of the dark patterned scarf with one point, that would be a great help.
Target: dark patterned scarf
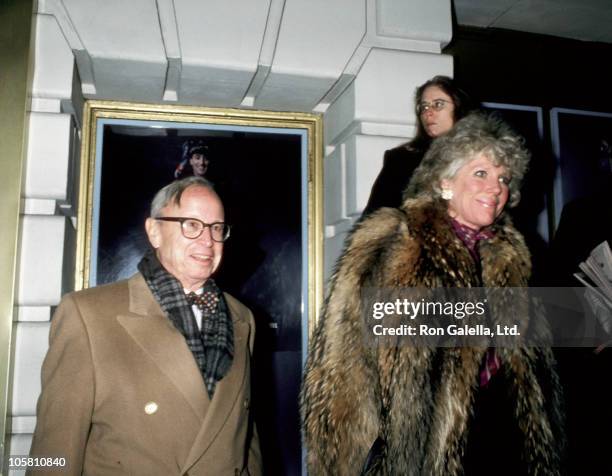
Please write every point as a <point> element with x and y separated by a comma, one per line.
<point>470,237</point>
<point>213,346</point>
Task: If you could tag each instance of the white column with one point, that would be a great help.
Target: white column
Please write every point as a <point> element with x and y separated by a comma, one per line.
<point>46,260</point>
<point>375,112</point>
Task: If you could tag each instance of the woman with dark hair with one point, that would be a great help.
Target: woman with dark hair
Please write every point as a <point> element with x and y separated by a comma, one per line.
<point>439,103</point>
<point>389,407</point>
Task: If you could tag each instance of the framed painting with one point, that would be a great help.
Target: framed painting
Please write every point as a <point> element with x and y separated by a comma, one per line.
<point>267,169</point>
<point>582,145</point>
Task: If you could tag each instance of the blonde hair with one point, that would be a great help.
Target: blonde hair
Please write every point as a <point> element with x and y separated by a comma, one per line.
<point>477,133</point>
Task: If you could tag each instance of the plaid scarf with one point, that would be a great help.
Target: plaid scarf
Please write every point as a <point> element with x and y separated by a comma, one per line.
<point>213,346</point>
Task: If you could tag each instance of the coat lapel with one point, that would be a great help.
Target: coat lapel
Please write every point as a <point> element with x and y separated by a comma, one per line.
<point>164,344</point>
<point>226,393</point>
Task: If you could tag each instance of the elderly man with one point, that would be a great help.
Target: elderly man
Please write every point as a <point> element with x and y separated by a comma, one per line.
<point>151,376</point>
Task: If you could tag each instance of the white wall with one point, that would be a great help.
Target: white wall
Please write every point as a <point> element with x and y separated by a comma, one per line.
<point>373,114</point>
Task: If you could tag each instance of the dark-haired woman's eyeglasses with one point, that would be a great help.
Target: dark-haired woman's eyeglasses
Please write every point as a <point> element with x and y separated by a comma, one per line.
<point>436,105</point>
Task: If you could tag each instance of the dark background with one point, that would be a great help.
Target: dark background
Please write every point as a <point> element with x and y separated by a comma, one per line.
<point>537,70</point>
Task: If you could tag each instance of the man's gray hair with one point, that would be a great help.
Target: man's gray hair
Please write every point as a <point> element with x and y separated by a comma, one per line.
<point>173,192</point>
<point>476,133</point>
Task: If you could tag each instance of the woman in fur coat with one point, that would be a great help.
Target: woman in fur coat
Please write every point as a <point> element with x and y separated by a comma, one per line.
<point>423,410</point>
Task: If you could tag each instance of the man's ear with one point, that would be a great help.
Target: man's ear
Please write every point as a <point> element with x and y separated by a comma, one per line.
<point>152,229</point>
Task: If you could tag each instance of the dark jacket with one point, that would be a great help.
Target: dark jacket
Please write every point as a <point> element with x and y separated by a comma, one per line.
<point>585,223</point>
<point>427,396</point>
<point>388,189</point>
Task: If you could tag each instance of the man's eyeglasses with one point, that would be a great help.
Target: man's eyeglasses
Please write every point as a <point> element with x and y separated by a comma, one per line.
<point>192,228</point>
<point>436,105</point>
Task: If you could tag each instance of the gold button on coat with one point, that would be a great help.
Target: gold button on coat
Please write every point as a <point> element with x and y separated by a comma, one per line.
<point>151,408</point>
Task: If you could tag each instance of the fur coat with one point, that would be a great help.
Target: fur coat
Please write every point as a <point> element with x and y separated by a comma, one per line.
<point>425,395</point>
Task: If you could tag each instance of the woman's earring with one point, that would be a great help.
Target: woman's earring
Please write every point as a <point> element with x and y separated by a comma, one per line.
<point>447,194</point>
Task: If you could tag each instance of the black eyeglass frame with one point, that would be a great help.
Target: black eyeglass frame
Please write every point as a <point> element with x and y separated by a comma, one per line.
<point>182,221</point>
